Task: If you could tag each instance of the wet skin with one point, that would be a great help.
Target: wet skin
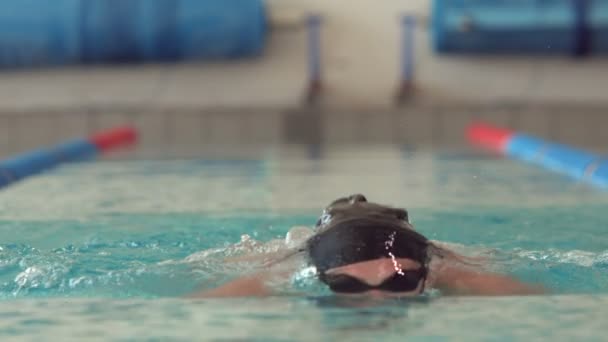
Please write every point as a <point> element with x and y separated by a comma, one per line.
<point>451,276</point>
<point>356,207</point>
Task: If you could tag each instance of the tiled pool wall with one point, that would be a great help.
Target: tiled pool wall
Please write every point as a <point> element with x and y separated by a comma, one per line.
<point>425,126</point>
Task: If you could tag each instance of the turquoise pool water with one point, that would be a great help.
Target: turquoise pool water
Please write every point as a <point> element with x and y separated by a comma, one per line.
<point>101,250</point>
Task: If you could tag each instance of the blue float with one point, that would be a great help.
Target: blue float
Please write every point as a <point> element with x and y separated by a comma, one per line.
<point>29,163</point>
<point>525,147</point>
<point>5,178</point>
<point>59,32</point>
<point>599,176</point>
<point>520,26</point>
<point>567,160</point>
<point>34,162</point>
<point>576,163</point>
<point>74,151</point>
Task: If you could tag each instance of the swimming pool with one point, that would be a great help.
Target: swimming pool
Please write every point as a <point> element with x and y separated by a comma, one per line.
<point>99,250</point>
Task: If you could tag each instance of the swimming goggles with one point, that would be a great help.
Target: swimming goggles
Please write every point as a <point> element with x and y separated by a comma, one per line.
<point>402,281</point>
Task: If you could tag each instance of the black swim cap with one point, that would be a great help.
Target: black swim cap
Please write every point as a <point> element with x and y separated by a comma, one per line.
<point>363,239</point>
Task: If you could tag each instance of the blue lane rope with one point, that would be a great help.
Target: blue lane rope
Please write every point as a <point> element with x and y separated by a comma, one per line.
<point>552,156</point>
<point>33,162</point>
<point>578,164</point>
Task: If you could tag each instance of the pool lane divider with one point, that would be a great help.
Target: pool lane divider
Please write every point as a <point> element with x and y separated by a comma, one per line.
<point>33,162</point>
<point>578,164</point>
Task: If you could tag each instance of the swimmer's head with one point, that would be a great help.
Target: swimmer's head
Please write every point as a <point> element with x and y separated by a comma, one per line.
<point>353,231</point>
<point>357,206</point>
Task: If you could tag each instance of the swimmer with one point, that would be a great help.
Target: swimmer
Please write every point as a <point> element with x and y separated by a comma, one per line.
<point>359,247</point>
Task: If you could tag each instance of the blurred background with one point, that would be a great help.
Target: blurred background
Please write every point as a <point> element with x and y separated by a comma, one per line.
<point>267,111</point>
<point>203,74</point>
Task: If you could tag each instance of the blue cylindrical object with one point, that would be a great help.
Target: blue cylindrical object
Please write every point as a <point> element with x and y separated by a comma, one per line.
<point>599,177</point>
<point>59,32</point>
<point>578,164</point>
<point>524,147</point>
<point>75,150</point>
<point>29,163</point>
<point>552,156</point>
<point>520,26</point>
<point>567,160</point>
<point>34,162</point>
<point>5,178</point>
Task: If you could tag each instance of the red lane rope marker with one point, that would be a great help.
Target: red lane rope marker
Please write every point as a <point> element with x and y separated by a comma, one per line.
<point>488,136</point>
<point>117,137</point>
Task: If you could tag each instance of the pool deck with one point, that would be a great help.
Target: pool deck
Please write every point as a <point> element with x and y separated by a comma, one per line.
<point>418,125</point>
<point>260,101</point>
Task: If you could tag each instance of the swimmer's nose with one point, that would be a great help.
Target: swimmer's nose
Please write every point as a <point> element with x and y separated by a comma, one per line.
<point>357,198</point>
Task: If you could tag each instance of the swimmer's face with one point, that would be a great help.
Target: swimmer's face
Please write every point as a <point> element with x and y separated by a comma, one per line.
<point>357,206</point>
<point>381,277</point>
<point>362,247</point>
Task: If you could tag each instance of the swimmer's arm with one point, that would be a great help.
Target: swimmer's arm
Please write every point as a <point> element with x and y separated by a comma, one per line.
<point>249,286</point>
<point>255,285</point>
<point>461,281</point>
